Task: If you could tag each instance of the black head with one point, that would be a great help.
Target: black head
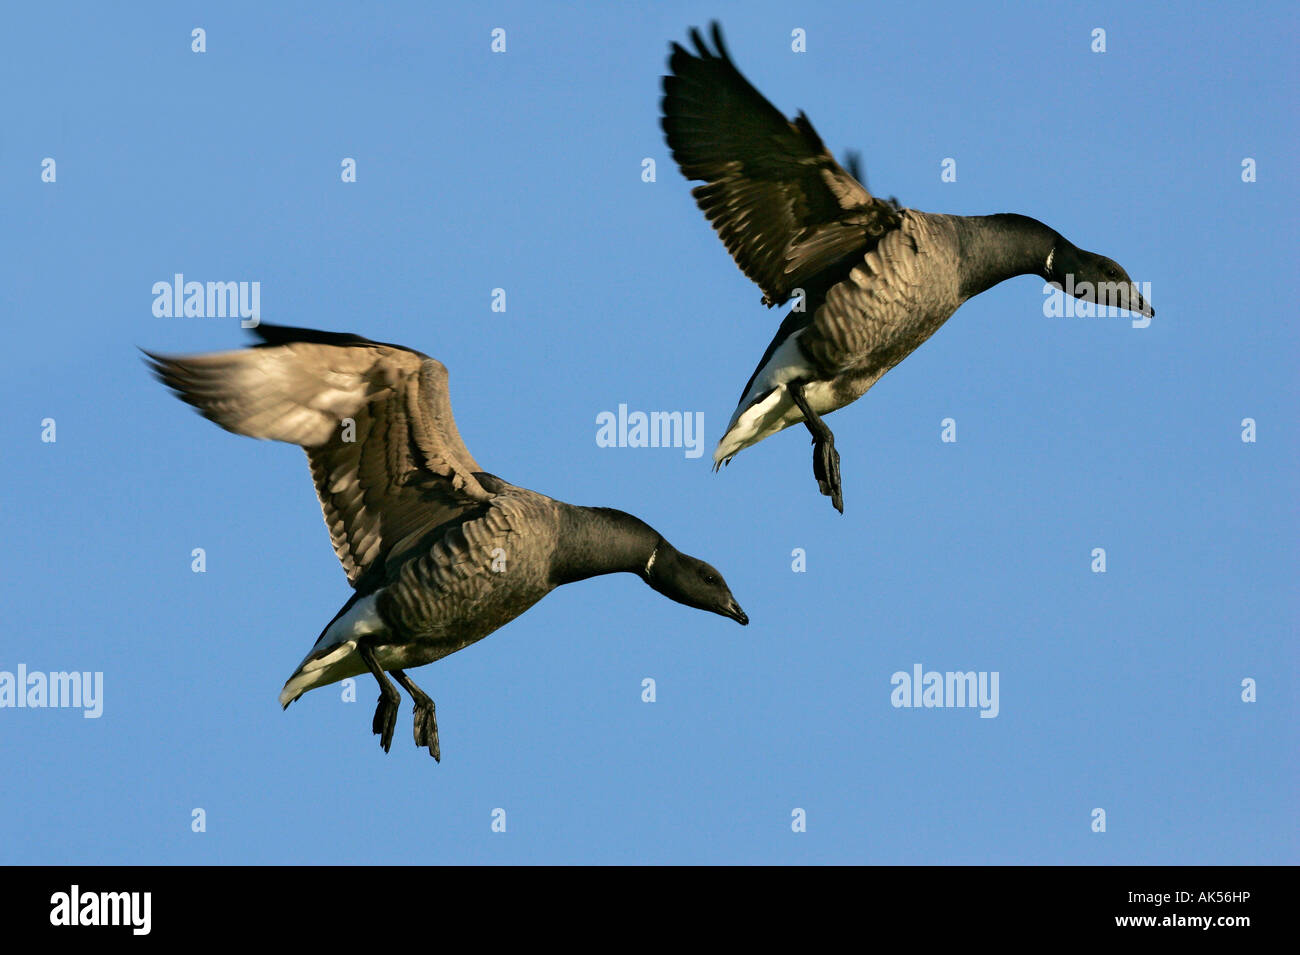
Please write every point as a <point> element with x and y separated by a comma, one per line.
<point>692,582</point>
<point>1094,278</point>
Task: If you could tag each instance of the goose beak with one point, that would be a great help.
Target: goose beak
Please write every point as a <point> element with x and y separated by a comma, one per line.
<point>1142,306</point>
<point>735,613</point>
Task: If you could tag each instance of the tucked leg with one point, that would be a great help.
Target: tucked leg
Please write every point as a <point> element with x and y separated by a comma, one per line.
<point>385,720</point>
<point>826,460</point>
<point>426,718</point>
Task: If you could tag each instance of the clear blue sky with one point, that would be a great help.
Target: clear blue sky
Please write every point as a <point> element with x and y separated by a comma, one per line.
<point>522,171</point>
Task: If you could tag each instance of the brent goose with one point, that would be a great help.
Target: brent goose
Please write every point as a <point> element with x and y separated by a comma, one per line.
<point>871,279</point>
<point>439,552</point>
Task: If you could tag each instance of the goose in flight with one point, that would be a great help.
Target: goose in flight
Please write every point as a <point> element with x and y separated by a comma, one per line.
<point>439,552</point>
<point>870,280</point>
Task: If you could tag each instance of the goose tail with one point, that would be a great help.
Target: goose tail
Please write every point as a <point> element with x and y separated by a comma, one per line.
<point>761,418</point>
<point>321,667</point>
<point>334,656</point>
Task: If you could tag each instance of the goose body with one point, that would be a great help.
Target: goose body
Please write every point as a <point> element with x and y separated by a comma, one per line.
<point>440,553</point>
<point>870,280</point>
<point>445,594</point>
<point>855,334</point>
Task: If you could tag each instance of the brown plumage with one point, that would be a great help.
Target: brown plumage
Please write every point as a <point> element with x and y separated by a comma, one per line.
<point>439,552</point>
<point>873,280</point>
<point>785,209</point>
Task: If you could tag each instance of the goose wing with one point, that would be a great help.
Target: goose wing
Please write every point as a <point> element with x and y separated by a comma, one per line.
<point>784,208</point>
<point>374,419</point>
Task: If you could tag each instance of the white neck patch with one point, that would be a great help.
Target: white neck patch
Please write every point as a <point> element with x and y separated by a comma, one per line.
<point>651,562</point>
<point>1047,266</point>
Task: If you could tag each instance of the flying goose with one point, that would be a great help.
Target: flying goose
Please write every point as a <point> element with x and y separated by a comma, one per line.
<point>871,280</point>
<point>439,552</point>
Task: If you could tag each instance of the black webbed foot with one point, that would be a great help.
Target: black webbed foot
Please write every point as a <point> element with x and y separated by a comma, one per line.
<point>826,460</point>
<point>385,720</point>
<point>426,716</point>
<point>826,468</point>
<point>426,730</point>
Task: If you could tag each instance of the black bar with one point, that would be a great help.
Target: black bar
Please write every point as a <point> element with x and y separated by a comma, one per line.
<point>331,903</point>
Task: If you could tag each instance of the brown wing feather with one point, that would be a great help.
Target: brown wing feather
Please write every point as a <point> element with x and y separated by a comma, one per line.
<point>784,208</point>
<point>375,421</point>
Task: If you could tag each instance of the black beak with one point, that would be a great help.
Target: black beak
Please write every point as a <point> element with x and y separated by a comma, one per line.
<point>1141,305</point>
<point>735,613</point>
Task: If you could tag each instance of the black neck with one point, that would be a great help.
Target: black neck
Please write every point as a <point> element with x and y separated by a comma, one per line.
<point>600,540</point>
<point>996,248</point>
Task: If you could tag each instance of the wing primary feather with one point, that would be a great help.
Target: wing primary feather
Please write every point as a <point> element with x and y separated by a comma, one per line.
<point>783,207</point>
<point>375,420</point>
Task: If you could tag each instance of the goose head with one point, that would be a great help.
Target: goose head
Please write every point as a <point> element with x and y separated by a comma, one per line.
<point>690,581</point>
<point>1094,278</point>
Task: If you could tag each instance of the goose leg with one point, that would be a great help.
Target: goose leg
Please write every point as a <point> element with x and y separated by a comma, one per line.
<point>385,720</point>
<point>826,460</point>
<point>426,717</point>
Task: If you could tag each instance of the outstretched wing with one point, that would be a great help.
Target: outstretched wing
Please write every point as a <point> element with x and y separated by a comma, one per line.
<point>784,207</point>
<point>374,419</point>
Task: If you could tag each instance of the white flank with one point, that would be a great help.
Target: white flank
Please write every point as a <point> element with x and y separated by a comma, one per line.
<point>324,665</point>
<point>755,420</point>
<point>786,364</point>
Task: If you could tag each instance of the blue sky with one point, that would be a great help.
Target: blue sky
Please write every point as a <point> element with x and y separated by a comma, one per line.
<point>522,171</point>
